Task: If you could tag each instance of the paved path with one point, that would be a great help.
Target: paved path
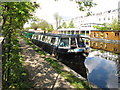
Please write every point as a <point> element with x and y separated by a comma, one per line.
<point>41,73</point>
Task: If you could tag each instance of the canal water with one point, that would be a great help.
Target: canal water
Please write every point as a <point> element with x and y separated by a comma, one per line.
<point>101,67</point>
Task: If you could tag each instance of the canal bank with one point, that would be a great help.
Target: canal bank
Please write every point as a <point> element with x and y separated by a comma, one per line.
<point>76,82</point>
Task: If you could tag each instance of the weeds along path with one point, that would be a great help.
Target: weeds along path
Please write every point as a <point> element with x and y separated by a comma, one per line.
<point>40,72</point>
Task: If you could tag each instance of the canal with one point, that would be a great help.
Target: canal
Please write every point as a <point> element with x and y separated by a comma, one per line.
<point>101,67</point>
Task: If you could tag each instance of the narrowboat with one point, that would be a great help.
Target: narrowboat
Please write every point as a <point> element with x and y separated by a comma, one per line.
<point>60,45</point>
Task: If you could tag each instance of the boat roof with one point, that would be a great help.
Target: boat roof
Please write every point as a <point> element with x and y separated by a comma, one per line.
<point>60,35</point>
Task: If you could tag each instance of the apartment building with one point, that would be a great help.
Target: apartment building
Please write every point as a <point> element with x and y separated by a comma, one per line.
<point>96,19</point>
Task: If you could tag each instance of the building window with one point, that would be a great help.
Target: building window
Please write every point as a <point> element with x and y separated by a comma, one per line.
<point>108,18</point>
<point>116,34</point>
<point>94,34</point>
<point>106,35</point>
<point>112,17</point>
<point>99,19</point>
<point>109,11</point>
<point>104,19</point>
<point>101,35</point>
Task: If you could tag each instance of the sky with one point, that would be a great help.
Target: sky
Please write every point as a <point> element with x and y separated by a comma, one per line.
<point>68,9</point>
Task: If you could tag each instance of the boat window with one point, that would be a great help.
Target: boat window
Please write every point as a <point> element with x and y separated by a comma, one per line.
<point>53,40</point>
<point>43,38</point>
<point>33,37</point>
<point>81,42</point>
<point>73,42</point>
<point>49,39</point>
<point>56,41</point>
<point>64,42</point>
<point>38,37</point>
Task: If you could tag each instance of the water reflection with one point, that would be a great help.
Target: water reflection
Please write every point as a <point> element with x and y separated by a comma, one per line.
<point>102,72</point>
<point>103,64</point>
<point>101,67</point>
<point>111,47</point>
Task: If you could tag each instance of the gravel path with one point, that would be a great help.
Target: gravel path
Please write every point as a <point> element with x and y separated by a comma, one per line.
<point>41,73</point>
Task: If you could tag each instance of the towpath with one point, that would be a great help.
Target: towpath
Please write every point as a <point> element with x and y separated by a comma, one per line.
<point>40,72</point>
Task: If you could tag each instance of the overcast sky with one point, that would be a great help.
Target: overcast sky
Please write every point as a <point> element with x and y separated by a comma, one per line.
<point>67,8</point>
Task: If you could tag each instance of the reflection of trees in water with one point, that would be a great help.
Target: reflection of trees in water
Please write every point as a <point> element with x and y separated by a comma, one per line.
<point>77,64</point>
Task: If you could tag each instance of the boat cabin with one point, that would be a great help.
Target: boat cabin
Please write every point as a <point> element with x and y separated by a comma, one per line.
<point>59,43</point>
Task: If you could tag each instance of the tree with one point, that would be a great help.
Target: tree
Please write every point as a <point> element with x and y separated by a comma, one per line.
<point>14,15</point>
<point>44,25</point>
<point>71,24</point>
<point>115,25</point>
<point>109,26</point>
<point>104,26</point>
<point>57,19</point>
<point>85,5</point>
<point>34,26</point>
<point>50,29</point>
<point>64,25</point>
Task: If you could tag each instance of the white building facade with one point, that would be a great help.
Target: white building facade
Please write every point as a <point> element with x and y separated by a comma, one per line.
<point>96,19</point>
<point>84,24</point>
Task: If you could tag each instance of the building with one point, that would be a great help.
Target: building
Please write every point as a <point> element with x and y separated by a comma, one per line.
<point>84,24</point>
<point>37,31</point>
<point>96,19</point>
<point>112,35</point>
